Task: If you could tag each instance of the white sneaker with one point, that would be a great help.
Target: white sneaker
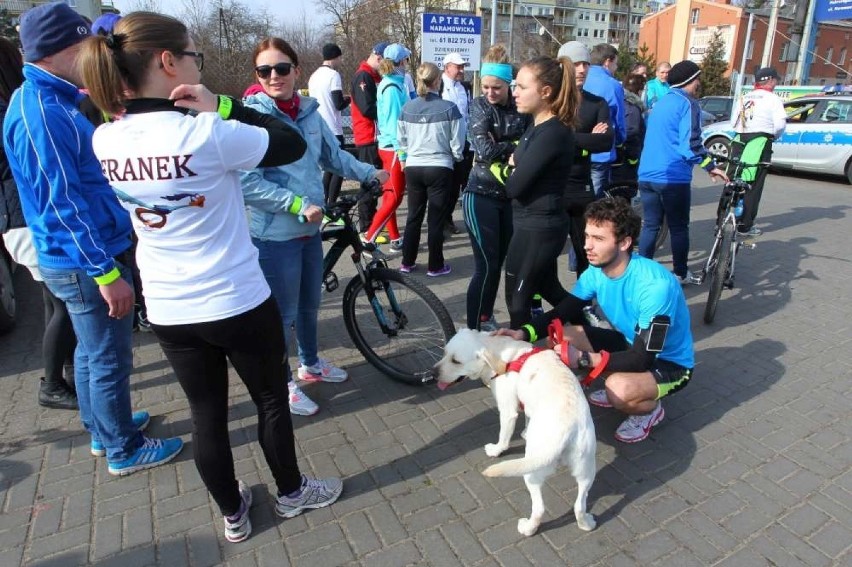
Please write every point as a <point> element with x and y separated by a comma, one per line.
<point>314,493</point>
<point>238,526</point>
<point>638,427</point>
<point>300,404</point>
<point>600,399</point>
<point>688,279</point>
<point>322,371</point>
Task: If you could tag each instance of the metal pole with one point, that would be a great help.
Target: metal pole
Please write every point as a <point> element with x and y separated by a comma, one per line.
<point>493,22</point>
<point>804,53</point>
<point>770,34</point>
<point>739,87</point>
<point>512,31</point>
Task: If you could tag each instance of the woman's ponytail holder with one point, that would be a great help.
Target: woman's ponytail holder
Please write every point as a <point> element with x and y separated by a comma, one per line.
<point>114,41</point>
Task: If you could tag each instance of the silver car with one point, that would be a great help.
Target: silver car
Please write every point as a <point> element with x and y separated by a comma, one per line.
<point>818,137</point>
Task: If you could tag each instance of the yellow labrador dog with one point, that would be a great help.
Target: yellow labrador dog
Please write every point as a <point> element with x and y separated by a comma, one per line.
<point>559,427</point>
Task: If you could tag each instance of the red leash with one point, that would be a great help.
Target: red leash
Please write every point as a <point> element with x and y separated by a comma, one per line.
<point>557,337</point>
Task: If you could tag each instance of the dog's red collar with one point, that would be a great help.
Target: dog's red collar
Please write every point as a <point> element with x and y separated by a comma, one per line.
<point>518,363</point>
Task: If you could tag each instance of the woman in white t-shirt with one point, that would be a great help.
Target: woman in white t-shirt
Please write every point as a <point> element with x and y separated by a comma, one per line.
<point>175,171</point>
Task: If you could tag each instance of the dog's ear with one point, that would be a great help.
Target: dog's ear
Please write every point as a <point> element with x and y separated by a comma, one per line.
<point>494,363</point>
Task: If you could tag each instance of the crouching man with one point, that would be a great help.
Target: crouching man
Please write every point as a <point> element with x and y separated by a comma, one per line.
<point>649,352</point>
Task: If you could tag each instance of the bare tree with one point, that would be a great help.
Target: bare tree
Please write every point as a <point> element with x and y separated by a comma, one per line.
<point>307,40</point>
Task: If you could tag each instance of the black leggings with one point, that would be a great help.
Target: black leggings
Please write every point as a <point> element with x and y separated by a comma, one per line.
<point>199,353</point>
<point>59,340</point>
<point>489,224</point>
<point>331,182</point>
<point>427,187</point>
<point>531,268</point>
<point>576,208</point>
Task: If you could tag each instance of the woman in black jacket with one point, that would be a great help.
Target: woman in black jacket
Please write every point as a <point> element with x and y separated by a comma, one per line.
<point>495,127</point>
<point>545,89</point>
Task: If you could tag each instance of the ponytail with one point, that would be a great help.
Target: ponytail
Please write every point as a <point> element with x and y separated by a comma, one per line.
<point>567,102</point>
<point>427,75</point>
<point>101,75</point>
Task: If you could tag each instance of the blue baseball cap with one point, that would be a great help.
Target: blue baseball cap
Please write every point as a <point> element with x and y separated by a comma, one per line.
<point>396,52</point>
<point>379,48</point>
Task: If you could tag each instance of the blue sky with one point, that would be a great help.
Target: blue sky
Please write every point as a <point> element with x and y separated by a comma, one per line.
<point>278,8</point>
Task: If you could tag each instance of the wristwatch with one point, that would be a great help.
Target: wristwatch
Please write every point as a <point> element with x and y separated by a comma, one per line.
<point>585,361</point>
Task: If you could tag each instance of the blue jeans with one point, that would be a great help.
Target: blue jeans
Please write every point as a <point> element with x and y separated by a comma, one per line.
<point>600,177</point>
<point>672,200</point>
<point>102,362</point>
<point>293,269</point>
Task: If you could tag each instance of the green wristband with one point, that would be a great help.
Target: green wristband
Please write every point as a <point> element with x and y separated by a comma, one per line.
<point>296,206</point>
<point>108,277</point>
<point>225,106</point>
<point>531,332</point>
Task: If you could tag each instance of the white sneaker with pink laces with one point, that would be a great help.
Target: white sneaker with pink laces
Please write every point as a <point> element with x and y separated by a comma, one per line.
<point>322,371</point>
<point>300,404</point>
<point>637,427</point>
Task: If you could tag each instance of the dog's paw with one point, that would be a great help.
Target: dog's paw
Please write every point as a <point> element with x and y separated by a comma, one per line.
<point>586,522</point>
<point>493,450</point>
<point>527,526</point>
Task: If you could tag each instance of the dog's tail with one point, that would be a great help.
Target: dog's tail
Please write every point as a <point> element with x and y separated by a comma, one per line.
<point>520,467</point>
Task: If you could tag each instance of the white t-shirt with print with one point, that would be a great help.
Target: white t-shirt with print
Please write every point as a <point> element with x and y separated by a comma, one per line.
<point>176,175</point>
<point>322,83</point>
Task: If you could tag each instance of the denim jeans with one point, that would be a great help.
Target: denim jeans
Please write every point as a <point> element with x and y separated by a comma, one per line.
<point>672,200</point>
<point>600,177</point>
<point>103,360</point>
<point>293,269</point>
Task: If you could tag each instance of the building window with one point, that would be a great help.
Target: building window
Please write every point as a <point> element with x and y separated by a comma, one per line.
<point>693,18</point>
<point>504,27</point>
<point>784,49</point>
<point>750,51</point>
<point>841,60</point>
<point>828,54</point>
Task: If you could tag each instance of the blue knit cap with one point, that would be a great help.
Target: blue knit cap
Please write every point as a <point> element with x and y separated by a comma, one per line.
<point>47,29</point>
<point>502,71</point>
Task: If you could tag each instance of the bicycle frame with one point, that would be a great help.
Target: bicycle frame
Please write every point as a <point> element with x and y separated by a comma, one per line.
<point>731,194</point>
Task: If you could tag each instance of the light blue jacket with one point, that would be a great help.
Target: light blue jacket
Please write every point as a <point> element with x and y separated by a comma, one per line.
<point>276,195</point>
<point>391,96</point>
<point>600,82</point>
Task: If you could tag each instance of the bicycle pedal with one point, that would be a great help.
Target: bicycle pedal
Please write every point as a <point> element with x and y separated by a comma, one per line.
<point>330,282</point>
<point>749,245</point>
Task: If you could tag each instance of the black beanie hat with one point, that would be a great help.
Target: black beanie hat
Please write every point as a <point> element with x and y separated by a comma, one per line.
<point>683,73</point>
<point>331,51</point>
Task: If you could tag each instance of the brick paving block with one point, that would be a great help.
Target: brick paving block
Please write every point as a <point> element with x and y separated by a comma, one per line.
<point>164,482</point>
<point>12,556</point>
<point>138,527</point>
<point>73,556</point>
<point>501,535</point>
<point>664,507</point>
<point>744,557</point>
<point>720,506</point>
<point>386,524</point>
<point>187,501</point>
<point>59,453</point>
<point>137,557</point>
<point>463,542</point>
<point>539,551</point>
<point>244,560</point>
<point>804,520</point>
<point>360,534</point>
<point>46,518</point>
<point>429,518</point>
<point>273,555</point>
<point>616,560</point>
<point>435,549</point>
<point>107,538</point>
<point>178,522</point>
<point>13,537</point>
<point>188,477</point>
<point>773,553</point>
<point>120,486</point>
<point>491,516</point>
<point>653,546</point>
<point>106,508</point>
<point>693,541</point>
<point>680,558</point>
<point>511,557</point>
<point>773,492</point>
<point>748,520</point>
<point>336,554</point>
<point>22,493</point>
<point>403,553</point>
<point>709,529</point>
<point>15,519</point>
<point>55,543</point>
<point>802,483</point>
<point>316,538</point>
<point>409,503</point>
<point>456,494</point>
<point>795,546</point>
<point>203,546</point>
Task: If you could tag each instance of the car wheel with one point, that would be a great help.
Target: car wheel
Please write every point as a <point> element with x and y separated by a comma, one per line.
<point>849,171</point>
<point>719,145</point>
<point>7,296</point>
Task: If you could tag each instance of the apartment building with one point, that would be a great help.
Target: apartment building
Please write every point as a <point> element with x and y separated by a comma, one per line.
<point>92,9</point>
<point>683,29</point>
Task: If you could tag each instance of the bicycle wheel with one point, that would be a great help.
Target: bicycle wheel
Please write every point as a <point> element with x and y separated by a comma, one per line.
<point>416,327</point>
<point>719,271</point>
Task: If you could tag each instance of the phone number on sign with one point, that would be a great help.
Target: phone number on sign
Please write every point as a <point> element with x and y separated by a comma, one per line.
<point>454,40</point>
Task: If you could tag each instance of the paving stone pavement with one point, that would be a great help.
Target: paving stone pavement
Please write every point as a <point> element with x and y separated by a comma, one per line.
<point>750,467</point>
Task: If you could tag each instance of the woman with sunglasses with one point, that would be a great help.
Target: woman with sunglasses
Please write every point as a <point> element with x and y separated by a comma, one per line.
<point>391,95</point>
<point>207,299</point>
<point>285,208</point>
<point>495,128</point>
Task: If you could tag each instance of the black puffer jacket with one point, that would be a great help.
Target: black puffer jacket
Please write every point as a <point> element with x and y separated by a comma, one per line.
<point>494,131</point>
<point>11,215</point>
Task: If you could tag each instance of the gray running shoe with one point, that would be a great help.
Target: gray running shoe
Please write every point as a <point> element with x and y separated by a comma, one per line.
<point>315,493</point>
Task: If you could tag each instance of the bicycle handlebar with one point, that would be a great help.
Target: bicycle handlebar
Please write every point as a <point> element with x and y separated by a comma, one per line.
<point>344,203</point>
<point>738,161</point>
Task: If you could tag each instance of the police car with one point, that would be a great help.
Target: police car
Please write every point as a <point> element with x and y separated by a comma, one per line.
<point>818,137</point>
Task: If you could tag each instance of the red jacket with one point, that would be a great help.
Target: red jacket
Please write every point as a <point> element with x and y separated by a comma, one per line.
<point>364,104</point>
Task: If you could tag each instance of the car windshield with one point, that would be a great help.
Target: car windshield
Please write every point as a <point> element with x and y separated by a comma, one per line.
<point>799,111</point>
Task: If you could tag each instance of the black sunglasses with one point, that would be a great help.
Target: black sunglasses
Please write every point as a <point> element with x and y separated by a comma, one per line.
<point>199,57</point>
<point>281,69</point>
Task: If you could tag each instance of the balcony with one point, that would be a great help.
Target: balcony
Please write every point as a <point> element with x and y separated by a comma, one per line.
<point>567,21</point>
<point>619,7</point>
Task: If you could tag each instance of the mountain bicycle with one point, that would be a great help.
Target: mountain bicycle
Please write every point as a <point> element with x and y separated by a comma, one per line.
<point>721,264</point>
<point>395,321</point>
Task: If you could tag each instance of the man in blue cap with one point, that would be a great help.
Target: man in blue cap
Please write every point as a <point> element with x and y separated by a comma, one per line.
<point>80,232</point>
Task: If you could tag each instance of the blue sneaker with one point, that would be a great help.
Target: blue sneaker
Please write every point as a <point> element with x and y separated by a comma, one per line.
<point>152,453</point>
<point>141,419</point>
